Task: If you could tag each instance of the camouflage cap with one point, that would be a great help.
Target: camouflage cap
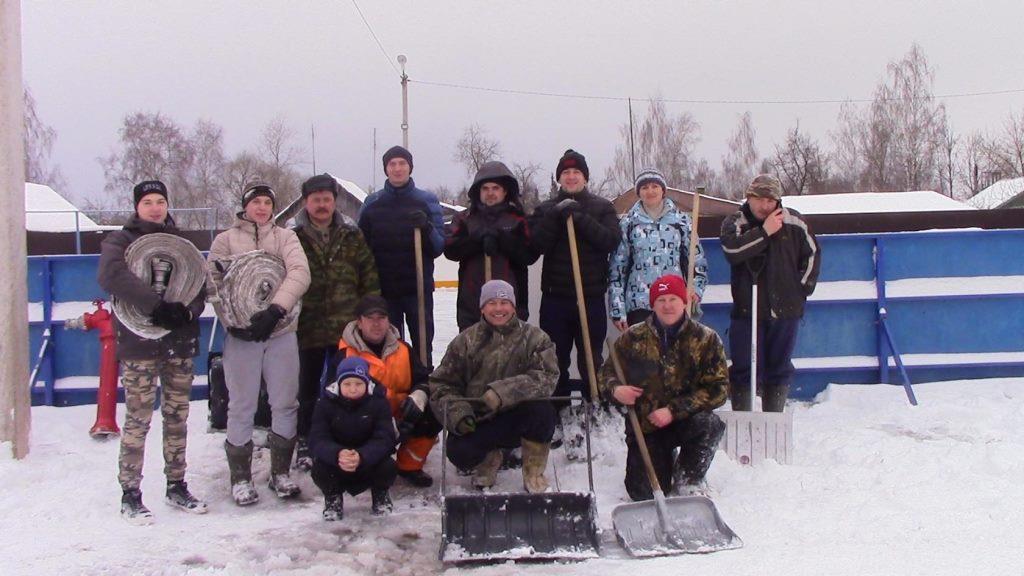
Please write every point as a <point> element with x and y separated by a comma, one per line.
<point>765,186</point>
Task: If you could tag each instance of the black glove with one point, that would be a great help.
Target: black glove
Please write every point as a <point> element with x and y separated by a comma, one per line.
<point>241,334</point>
<point>171,315</point>
<point>417,219</point>
<point>489,239</point>
<point>262,323</point>
<point>567,207</point>
<point>413,406</point>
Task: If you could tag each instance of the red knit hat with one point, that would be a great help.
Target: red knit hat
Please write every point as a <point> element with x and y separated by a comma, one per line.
<point>669,284</point>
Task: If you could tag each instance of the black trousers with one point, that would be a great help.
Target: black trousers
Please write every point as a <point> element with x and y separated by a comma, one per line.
<point>311,369</point>
<point>697,438</point>
<point>776,339</point>
<point>560,319</point>
<point>332,480</point>
<point>534,421</point>
<point>405,310</point>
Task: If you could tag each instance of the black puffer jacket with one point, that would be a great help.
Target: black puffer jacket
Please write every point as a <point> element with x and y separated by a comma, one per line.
<point>785,264</point>
<point>597,236</point>
<point>113,275</point>
<point>507,225</point>
<point>364,425</point>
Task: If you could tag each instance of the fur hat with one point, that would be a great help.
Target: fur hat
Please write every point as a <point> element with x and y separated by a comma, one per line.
<point>320,182</point>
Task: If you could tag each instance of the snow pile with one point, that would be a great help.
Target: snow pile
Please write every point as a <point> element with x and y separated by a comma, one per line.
<point>877,487</point>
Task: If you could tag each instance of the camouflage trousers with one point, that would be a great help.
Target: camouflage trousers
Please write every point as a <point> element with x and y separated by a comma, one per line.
<point>139,379</point>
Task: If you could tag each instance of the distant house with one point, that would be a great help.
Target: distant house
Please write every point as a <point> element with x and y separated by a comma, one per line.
<point>709,205</point>
<point>1007,193</point>
<point>874,202</point>
<point>352,198</point>
<point>48,211</point>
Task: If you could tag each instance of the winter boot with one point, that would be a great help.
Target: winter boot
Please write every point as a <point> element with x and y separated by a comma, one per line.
<point>303,457</point>
<point>535,461</point>
<point>280,462</point>
<point>511,458</point>
<point>334,507</point>
<point>240,467</point>
<point>773,398</point>
<point>133,510</point>
<point>740,397</point>
<point>486,472</point>
<point>179,497</point>
<point>381,501</point>
<point>417,478</point>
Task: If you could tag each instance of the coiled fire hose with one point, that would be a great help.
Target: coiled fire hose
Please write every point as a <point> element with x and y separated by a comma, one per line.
<point>247,286</point>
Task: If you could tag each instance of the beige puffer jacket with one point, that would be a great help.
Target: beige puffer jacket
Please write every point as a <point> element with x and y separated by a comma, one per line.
<point>246,236</point>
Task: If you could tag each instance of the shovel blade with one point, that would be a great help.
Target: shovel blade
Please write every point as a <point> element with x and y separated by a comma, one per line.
<point>752,437</point>
<point>499,527</point>
<point>691,525</point>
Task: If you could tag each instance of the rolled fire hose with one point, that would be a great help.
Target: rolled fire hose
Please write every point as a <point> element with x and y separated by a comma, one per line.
<point>247,286</point>
<point>175,269</point>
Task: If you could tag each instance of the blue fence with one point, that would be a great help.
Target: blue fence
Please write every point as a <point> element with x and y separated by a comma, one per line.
<point>954,302</point>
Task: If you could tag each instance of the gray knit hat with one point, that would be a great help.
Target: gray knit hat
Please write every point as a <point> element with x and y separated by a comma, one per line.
<point>497,289</point>
<point>649,175</point>
<point>765,186</point>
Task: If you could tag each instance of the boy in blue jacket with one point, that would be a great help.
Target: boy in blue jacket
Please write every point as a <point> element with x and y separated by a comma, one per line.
<point>352,439</point>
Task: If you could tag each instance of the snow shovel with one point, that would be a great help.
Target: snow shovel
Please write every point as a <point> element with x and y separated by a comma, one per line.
<point>667,526</point>
<point>493,527</point>
<point>753,437</point>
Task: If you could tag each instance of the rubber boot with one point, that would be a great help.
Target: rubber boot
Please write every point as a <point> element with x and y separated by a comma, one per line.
<point>303,457</point>
<point>380,501</point>
<point>334,507</point>
<point>535,461</point>
<point>774,397</point>
<point>240,467</point>
<point>486,472</point>
<point>280,463</point>
<point>740,397</point>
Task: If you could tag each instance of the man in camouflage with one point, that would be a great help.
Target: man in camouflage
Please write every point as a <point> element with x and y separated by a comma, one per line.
<point>342,271</point>
<point>502,363</point>
<point>676,375</point>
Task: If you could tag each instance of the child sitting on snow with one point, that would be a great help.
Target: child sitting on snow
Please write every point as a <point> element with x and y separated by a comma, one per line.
<point>352,439</point>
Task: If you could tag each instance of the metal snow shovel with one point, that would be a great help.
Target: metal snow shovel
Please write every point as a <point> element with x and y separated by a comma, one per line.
<point>753,437</point>
<point>491,527</point>
<point>667,526</point>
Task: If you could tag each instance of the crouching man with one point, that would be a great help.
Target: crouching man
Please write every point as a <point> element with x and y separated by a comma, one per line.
<point>677,375</point>
<point>500,363</point>
<point>352,439</point>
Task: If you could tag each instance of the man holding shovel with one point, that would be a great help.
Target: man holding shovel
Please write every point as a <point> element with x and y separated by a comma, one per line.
<point>676,376</point>
<point>773,247</point>
<point>395,220</point>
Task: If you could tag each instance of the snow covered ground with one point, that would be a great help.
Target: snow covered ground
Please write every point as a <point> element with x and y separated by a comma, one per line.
<point>877,487</point>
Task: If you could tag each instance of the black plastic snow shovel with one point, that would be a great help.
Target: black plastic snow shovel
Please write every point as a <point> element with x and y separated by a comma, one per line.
<point>492,527</point>
<point>667,526</point>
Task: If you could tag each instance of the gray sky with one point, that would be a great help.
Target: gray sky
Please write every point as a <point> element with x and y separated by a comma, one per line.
<point>241,64</point>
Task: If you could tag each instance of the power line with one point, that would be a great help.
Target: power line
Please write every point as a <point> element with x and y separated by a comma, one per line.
<point>701,100</point>
<point>390,60</point>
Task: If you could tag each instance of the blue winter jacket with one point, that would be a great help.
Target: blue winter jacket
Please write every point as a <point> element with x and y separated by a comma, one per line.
<point>364,425</point>
<point>650,249</point>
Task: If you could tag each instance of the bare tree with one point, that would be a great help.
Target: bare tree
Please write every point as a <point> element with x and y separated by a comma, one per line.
<point>1006,151</point>
<point>740,160</point>
<point>847,156</point>
<point>152,146</point>
<point>661,141</point>
<point>474,149</point>
<point>38,139</point>
<point>800,164</point>
<point>280,158</point>
<point>974,170</point>
<point>705,175</point>
<point>948,161</point>
<point>205,177</point>
<point>529,190</point>
<point>238,173</point>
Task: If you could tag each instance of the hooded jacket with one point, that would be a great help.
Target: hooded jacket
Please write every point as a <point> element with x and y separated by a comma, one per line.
<point>651,248</point>
<point>113,275</point>
<point>364,425</point>
<point>465,244</point>
<point>246,236</point>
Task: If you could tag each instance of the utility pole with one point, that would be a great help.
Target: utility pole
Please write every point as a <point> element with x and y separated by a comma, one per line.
<point>312,136</point>
<point>15,397</point>
<point>405,101</point>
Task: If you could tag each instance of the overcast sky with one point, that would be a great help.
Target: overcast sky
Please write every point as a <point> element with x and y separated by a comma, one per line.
<point>240,64</point>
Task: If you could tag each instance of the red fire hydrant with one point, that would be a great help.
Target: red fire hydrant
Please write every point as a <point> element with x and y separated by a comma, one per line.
<point>106,397</point>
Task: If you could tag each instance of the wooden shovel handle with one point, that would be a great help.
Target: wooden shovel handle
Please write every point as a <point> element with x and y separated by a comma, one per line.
<point>652,476</point>
<point>582,306</point>
<point>487,268</point>
<point>694,239</point>
<point>421,307</point>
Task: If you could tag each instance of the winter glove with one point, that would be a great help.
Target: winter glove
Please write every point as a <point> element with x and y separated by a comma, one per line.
<point>171,315</point>
<point>567,207</point>
<point>492,400</point>
<point>414,406</point>
<point>465,426</point>
<point>417,219</point>
<point>489,239</point>
<point>262,323</point>
<point>241,334</point>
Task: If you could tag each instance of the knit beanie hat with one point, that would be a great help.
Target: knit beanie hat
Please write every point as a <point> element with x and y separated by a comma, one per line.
<point>649,175</point>
<point>255,190</point>
<point>765,186</point>
<point>354,367</point>
<point>397,152</point>
<point>320,182</point>
<point>572,159</point>
<point>497,289</point>
<point>148,187</point>
<point>668,284</point>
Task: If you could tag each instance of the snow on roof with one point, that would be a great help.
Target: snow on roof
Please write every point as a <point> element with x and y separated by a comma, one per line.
<point>48,211</point>
<point>866,202</point>
<point>998,193</point>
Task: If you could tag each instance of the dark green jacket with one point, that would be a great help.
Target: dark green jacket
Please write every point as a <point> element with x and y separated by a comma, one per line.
<point>687,373</point>
<point>341,272</point>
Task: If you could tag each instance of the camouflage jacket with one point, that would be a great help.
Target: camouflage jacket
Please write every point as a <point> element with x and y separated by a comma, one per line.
<point>342,271</point>
<point>687,373</point>
<point>516,360</point>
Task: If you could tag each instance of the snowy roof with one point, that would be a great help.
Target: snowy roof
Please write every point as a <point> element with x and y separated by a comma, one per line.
<point>867,202</point>
<point>997,194</point>
<point>48,211</point>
